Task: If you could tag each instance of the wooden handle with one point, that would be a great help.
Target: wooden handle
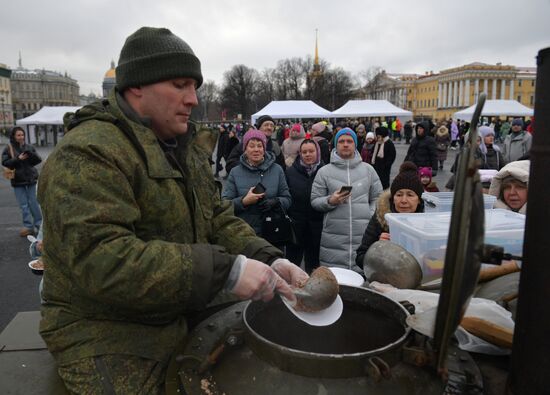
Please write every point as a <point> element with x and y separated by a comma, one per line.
<point>494,272</point>
<point>488,331</point>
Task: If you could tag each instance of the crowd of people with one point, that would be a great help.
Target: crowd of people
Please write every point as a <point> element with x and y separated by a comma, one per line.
<point>138,236</point>
<point>340,193</point>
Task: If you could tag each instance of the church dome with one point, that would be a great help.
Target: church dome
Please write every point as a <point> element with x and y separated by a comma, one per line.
<point>111,72</point>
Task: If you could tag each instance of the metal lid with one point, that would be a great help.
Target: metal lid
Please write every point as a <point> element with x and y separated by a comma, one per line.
<point>465,242</point>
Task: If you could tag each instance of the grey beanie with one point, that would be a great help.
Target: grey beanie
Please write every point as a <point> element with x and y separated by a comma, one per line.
<point>155,54</point>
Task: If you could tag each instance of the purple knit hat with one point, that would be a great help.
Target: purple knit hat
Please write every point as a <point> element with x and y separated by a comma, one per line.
<point>254,134</point>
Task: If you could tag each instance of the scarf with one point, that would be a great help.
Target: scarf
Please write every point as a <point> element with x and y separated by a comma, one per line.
<point>379,150</point>
<point>310,169</point>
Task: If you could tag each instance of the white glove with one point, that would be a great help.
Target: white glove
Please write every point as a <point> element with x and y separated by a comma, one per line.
<point>252,279</point>
<point>292,273</point>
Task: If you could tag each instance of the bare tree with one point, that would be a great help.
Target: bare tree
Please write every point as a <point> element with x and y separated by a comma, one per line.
<point>265,91</point>
<point>239,91</point>
<point>333,88</point>
<point>208,96</point>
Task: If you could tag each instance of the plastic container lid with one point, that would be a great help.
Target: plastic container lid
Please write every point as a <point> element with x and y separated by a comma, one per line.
<point>443,201</point>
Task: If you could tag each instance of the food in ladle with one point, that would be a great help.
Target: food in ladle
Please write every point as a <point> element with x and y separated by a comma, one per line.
<point>318,292</point>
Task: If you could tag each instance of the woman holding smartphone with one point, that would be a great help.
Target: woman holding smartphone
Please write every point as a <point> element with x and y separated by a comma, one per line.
<point>23,158</point>
<point>257,185</point>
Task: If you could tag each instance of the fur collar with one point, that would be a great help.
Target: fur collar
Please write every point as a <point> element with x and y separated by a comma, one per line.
<point>382,208</point>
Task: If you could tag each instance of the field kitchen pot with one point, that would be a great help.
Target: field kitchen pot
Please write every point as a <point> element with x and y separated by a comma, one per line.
<point>261,348</point>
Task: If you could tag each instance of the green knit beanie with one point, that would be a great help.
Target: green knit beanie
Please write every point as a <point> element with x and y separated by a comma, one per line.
<point>155,54</point>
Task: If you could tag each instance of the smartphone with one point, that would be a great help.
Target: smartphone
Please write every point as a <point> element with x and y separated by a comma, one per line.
<point>346,189</point>
<point>259,188</point>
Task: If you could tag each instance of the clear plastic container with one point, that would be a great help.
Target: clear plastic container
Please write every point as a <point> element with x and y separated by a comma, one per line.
<point>425,234</point>
<point>443,201</point>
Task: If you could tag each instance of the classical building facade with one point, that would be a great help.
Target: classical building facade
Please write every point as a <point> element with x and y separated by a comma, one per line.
<point>6,112</point>
<point>34,89</point>
<point>439,95</point>
<point>109,80</point>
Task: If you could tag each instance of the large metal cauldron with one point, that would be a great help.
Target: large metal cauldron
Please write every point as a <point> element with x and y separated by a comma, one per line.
<point>261,348</point>
<point>368,335</point>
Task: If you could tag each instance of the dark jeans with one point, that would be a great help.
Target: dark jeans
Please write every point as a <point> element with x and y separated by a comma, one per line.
<point>308,236</point>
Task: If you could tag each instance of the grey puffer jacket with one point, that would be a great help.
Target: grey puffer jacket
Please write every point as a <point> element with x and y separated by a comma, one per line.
<point>344,225</point>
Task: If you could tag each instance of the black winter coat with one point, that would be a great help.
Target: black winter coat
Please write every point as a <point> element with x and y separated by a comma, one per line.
<point>422,152</point>
<point>299,184</point>
<point>223,141</point>
<point>25,172</point>
<point>371,236</point>
<point>383,165</point>
<point>493,159</point>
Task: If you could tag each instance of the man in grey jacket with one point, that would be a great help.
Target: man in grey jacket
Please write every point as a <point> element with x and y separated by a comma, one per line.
<point>517,144</point>
<point>347,212</point>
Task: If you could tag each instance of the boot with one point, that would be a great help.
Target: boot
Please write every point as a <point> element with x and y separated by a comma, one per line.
<point>26,232</point>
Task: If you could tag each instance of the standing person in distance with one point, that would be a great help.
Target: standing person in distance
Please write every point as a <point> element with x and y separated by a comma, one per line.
<point>442,141</point>
<point>23,158</point>
<point>422,151</point>
<point>517,143</point>
<point>383,156</point>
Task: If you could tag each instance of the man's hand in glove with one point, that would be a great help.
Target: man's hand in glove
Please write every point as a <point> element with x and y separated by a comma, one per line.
<point>267,205</point>
<point>290,272</point>
<point>251,279</point>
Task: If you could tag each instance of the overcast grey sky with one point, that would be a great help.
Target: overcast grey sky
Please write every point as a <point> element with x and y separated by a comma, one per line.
<point>81,36</point>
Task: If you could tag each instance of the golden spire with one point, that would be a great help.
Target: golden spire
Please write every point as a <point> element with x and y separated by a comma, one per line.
<point>316,66</point>
<point>316,62</point>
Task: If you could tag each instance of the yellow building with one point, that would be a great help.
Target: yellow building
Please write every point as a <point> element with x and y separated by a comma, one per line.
<point>6,113</point>
<point>439,95</point>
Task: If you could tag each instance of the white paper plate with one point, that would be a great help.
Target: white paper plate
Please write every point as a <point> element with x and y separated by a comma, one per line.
<point>32,263</point>
<point>347,277</point>
<point>324,317</point>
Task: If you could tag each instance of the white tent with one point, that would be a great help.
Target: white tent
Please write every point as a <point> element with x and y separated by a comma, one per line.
<point>292,109</point>
<point>47,116</point>
<point>370,108</point>
<point>496,108</point>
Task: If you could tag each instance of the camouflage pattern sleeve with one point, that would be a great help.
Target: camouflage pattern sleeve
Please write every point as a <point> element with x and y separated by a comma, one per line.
<point>122,242</point>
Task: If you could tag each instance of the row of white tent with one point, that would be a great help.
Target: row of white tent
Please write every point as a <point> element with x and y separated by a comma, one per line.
<point>306,109</point>
<point>292,109</point>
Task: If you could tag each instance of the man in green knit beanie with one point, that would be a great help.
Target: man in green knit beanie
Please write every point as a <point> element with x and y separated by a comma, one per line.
<point>136,236</point>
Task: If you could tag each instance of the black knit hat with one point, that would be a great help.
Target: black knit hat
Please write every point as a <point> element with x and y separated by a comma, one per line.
<point>407,179</point>
<point>262,119</point>
<point>382,131</point>
<point>155,54</point>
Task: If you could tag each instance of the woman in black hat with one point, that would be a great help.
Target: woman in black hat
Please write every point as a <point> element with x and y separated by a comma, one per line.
<point>383,156</point>
<point>404,196</point>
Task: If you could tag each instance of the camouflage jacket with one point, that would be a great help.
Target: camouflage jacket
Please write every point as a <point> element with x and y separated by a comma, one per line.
<point>131,244</point>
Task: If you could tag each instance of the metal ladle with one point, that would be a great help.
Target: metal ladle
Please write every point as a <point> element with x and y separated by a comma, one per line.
<point>317,300</point>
